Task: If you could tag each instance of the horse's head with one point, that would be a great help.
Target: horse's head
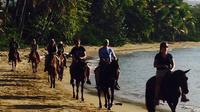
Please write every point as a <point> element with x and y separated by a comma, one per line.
<point>182,80</point>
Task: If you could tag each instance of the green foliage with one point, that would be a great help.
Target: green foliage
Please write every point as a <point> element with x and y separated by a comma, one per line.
<point>120,21</point>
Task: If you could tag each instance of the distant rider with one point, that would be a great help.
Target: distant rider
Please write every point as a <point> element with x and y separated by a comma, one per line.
<point>52,50</point>
<point>13,46</point>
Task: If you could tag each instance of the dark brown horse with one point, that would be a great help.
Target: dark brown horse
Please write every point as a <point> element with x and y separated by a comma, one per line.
<point>105,76</point>
<point>170,89</point>
<point>52,70</point>
<point>13,57</point>
<point>78,75</point>
<point>34,60</point>
<point>60,69</point>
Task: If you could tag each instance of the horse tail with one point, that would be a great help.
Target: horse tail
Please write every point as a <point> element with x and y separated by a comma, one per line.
<point>149,94</point>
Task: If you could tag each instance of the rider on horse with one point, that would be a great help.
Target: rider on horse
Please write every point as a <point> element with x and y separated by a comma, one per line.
<point>78,53</point>
<point>13,46</point>
<point>34,47</point>
<point>164,63</point>
<point>61,51</point>
<point>107,55</point>
<point>52,50</point>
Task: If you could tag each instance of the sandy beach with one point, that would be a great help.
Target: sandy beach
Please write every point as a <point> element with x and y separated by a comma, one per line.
<point>24,91</point>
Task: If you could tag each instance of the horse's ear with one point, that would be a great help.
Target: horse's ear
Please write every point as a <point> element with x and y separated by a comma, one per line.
<point>187,71</point>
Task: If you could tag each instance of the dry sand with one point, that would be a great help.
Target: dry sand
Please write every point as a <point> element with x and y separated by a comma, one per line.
<point>23,91</point>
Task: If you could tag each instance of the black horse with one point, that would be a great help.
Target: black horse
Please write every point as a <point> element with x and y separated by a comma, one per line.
<point>170,89</point>
<point>105,76</point>
<point>77,72</point>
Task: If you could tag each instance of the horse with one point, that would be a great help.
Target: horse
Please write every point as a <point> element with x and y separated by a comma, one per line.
<point>60,69</point>
<point>34,60</point>
<point>78,75</point>
<point>105,76</point>
<point>52,70</point>
<point>170,89</point>
<point>13,56</point>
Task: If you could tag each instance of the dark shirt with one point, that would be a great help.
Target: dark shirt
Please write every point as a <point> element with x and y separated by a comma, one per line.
<point>52,49</point>
<point>34,47</point>
<point>60,48</point>
<point>77,52</point>
<point>13,46</point>
<point>166,62</point>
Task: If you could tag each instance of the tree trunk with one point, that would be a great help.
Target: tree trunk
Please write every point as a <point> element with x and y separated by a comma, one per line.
<point>21,24</point>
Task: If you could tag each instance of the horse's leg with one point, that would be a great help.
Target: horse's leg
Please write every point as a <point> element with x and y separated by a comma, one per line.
<point>72,83</point>
<point>173,105</point>
<point>12,66</point>
<point>108,99</point>
<point>99,95</point>
<point>82,85</point>
<point>33,66</point>
<point>15,64</point>
<point>105,96</point>
<point>51,80</point>
<point>77,88</point>
<point>54,81</point>
<point>62,71</point>
<point>36,66</point>
<point>112,96</point>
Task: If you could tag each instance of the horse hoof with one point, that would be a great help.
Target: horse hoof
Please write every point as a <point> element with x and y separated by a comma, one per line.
<point>88,82</point>
<point>82,99</point>
<point>77,97</point>
<point>100,106</point>
<point>105,105</point>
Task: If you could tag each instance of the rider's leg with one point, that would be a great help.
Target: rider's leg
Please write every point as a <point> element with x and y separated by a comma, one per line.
<point>159,77</point>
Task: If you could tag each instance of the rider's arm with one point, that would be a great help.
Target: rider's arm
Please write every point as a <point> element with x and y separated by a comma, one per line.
<point>100,54</point>
<point>84,55</point>
<point>173,65</point>
<point>113,54</point>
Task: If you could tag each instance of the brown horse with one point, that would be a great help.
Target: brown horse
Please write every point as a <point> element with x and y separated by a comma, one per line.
<point>170,89</point>
<point>78,74</point>
<point>13,56</point>
<point>60,69</point>
<point>52,70</point>
<point>34,60</point>
<point>105,76</point>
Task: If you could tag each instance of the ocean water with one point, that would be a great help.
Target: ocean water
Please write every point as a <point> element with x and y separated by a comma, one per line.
<point>137,67</point>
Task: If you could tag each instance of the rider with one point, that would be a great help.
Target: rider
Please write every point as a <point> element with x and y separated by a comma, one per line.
<point>107,55</point>
<point>164,63</point>
<point>34,47</point>
<point>78,53</point>
<point>61,51</point>
<point>13,46</point>
<point>52,50</point>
